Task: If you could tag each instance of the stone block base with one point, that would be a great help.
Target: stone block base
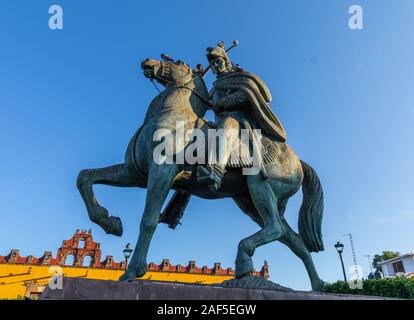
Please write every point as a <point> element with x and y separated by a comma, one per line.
<point>90,289</point>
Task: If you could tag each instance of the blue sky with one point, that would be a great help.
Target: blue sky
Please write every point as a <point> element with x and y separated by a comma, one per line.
<point>72,99</point>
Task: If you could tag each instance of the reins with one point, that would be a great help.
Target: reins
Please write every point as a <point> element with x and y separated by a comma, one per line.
<point>165,69</point>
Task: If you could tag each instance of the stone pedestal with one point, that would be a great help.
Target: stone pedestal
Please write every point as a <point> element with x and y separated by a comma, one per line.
<point>90,289</point>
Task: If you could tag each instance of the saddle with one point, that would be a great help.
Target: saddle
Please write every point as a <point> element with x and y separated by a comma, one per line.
<point>242,158</point>
<point>242,154</point>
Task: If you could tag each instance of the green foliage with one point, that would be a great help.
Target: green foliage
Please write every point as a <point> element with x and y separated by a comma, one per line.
<point>392,287</point>
<point>386,255</point>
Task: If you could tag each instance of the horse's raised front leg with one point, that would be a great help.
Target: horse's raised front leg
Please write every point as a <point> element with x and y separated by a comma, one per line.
<point>265,202</point>
<point>117,175</point>
<point>160,180</point>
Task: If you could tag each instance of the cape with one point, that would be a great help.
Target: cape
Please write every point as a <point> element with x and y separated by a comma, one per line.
<point>259,97</point>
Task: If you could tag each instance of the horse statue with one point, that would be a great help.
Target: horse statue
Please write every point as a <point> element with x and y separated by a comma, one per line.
<point>185,98</point>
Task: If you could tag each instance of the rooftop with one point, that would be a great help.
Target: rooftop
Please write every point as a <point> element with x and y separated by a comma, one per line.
<point>397,258</point>
<point>81,246</point>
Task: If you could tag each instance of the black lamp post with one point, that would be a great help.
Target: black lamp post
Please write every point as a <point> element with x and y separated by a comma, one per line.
<point>340,248</point>
<point>127,253</point>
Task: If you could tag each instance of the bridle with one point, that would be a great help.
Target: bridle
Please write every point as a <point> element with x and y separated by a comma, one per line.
<point>166,70</point>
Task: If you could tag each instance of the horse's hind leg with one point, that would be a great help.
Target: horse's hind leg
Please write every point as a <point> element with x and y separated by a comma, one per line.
<point>296,244</point>
<point>290,239</point>
<point>117,175</point>
<point>298,247</point>
<point>265,202</point>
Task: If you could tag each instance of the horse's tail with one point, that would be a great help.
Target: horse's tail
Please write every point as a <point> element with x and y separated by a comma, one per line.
<point>311,211</point>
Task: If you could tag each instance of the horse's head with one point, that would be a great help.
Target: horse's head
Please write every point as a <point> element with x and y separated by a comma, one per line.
<point>167,72</point>
<point>172,73</point>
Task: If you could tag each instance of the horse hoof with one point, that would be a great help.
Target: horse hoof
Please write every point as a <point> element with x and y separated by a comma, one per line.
<point>319,287</point>
<point>127,276</point>
<point>132,274</point>
<point>114,226</point>
<point>141,269</point>
<point>244,268</point>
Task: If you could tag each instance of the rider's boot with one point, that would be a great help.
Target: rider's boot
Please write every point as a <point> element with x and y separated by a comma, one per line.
<point>211,175</point>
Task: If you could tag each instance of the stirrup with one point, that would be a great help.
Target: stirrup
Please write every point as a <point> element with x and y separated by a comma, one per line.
<point>210,175</point>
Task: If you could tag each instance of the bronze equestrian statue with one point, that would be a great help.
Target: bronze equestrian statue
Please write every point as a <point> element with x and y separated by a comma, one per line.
<point>240,100</point>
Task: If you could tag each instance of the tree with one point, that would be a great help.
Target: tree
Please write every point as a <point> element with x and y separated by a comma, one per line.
<point>386,255</point>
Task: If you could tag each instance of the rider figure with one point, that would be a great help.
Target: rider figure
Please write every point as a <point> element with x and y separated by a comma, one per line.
<point>238,97</point>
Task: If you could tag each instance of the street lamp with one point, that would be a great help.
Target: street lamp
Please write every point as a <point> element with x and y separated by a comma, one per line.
<point>127,253</point>
<point>340,248</point>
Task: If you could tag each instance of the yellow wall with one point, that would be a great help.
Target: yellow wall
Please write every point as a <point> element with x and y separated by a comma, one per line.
<point>13,278</point>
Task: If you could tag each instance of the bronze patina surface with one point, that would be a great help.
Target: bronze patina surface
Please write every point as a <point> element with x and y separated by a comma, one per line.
<point>239,99</point>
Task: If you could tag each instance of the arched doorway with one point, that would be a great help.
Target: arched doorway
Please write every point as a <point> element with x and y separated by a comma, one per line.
<point>70,260</point>
<point>87,261</point>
